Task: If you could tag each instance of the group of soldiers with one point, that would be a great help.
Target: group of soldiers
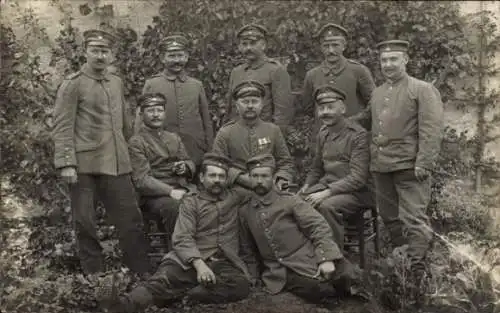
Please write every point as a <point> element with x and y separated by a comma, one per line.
<point>223,198</point>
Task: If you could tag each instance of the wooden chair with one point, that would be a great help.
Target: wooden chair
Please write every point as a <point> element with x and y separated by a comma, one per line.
<point>365,228</point>
<point>157,237</point>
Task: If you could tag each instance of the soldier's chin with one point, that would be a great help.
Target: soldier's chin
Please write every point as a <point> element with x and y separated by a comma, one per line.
<point>216,190</point>
<point>260,190</point>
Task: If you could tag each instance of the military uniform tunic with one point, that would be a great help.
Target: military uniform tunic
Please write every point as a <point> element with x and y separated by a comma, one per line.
<point>341,164</point>
<point>240,142</point>
<point>92,124</point>
<point>289,236</point>
<point>187,111</point>
<point>278,104</point>
<point>407,129</point>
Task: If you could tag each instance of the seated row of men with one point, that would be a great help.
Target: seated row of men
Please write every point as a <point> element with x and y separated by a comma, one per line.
<point>294,242</point>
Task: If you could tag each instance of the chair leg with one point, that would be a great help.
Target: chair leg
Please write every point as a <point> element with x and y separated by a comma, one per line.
<point>361,240</point>
<point>376,230</point>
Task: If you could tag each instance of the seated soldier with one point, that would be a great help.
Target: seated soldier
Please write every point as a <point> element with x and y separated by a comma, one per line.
<point>161,166</point>
<point>249,136</point>
<point>204,264</point>
<point>293,240</point>
<point>337,182</point>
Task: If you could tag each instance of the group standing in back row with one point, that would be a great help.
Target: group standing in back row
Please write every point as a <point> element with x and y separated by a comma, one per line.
<point>371,143</point>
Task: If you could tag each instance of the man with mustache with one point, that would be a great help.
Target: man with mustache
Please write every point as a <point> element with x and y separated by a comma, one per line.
<point>250,135</point>
<point>161,167</point>
<point>337,182</point>
<point>92,123</point>
<point>277,101</point>
<point>348,75</point>
<point>407,116</point>
<point>187,105</point>
<point>293,240</point>
<point>204,264</point>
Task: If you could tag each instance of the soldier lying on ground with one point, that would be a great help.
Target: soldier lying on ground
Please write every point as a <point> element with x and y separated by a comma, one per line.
<point>204,264</point>
<point>249,136</point>
<point>161,167</point>
<point>293,240</point>
<point>337,182</point>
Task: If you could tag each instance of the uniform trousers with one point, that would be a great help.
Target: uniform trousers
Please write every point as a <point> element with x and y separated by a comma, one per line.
<point>172,282</point>
<point>118,196</point>
<point>164,209</point>
<point>402,201</point>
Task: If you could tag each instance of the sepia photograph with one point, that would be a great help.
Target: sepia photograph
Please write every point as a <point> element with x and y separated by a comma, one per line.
<point>167,156</point>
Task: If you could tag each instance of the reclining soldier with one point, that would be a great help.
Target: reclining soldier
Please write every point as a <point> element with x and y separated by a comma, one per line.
<point>161,167</point>
<point>337,182</point>
<point>204,264</point>
<point>293,241</point>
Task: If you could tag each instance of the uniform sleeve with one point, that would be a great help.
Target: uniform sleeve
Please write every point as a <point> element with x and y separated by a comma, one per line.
<point>281,90</point>
<point>430,126</point>
<point>230,111</point>
<point>284,162</point>
<point>184,156</point>
<point>205,116</point>
<point>307,95</point>
<point>358,167</point>
<point>220,146</point>
<point>316,170</point>
<point>63,132</point>
<point>128,116</point>
<point>248,246</point>
<point>365,86</point>
<point>183,238</point>
<point>316,228</point>
<point>144,182</point>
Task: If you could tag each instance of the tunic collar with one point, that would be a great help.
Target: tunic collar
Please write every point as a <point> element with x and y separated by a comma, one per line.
<point>182,76</point>
<point>401,79</point>
<point>88,71</point>
<point>154,131</point>
<point>337,128</point>
<point>204,194</point>
<point>339,67</point>
<point>268,198</point>
<point>244,124</point>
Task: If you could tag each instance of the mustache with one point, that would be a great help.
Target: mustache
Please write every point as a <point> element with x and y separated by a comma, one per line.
<point>326,116</point>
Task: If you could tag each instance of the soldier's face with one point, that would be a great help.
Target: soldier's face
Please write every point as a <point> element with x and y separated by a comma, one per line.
<point>214,179</point>
<point>250,107</point>
<point>331,113</point>
<point>393,64</point>
<point>333,50</point>
<point>252,49</point>
<point>176,60</point>
<point>98,56</point>
<point>153,116</point>
<point>262,180</point>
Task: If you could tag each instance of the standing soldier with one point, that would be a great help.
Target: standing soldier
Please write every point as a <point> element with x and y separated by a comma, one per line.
<point>277,103</point>
<point>91,126</point>
<point>250,135</point>
<point>187,104</point>
<point>407,115</point>
<point>350,76</point>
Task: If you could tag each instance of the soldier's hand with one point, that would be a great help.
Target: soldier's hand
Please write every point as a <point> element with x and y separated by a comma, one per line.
<point>204,274</point>
<point>177,194</point>
<point>180,168</point>
<point>303,189</point>
<point>316,198</point>
<point>325,270</point>
<point>421,173</point>
<point>280,183</point>
<point>68,174</point>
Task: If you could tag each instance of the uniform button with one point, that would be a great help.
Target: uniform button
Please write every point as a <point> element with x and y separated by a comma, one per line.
<point>280,260</point>
<point>380,148</point>
<point>321,251</point>
<point>323,259</point>
<point>386,99</point>
<point>267,230</point>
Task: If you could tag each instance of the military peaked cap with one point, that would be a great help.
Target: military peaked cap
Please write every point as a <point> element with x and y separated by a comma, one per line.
<point>393,45</point>
<point>249,88</point>
<point>262,160</point>
<point>151,99</point>
<point>252,31</point>
<point>331,31</point>
<point>215,159</point>
<point>99,37</point>
<point>328,93</point>
<point>175,42</point>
